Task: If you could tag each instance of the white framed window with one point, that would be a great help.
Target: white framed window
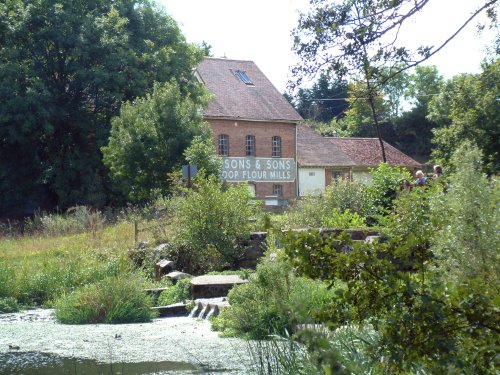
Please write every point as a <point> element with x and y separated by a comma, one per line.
<point>276,150</point>
<point>278,190</point>
<point>250,145</point>
<point>223,145</point>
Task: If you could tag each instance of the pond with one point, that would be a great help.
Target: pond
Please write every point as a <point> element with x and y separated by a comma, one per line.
<point>32,342</point>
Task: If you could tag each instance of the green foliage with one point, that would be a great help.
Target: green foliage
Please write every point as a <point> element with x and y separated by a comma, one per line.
<point>344,220</point>
<point>311,352</point>
<point>272,302</point>
<point>8,305</point>
<point>79,219</point>
<point>179,292</point>
<point>469,216</point>
<point>210,226</point>
<point>65,69</point>
<point>201,152</point>
<point>7,284</point>
<point>38,270</point>
<point>59,274</point>
<point>431,289</point>
<point>318,104</point>
<point>113,300</point>
<point>148,138</point>
<point>467,109</point>
<point>386,182</point>
<point>344,204</point>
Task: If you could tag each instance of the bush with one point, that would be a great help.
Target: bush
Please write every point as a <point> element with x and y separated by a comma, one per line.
<point>112,300</point>
<point>469,216</point>
<point>179,292</point>
<point>8,305</point>
<point>386,182</point>
<point>272,302</point>
<point>211,225</point>
<point>345,204</point>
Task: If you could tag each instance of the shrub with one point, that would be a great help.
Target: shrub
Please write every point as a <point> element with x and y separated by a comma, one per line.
<point>8,305</point>
<point>469,213</point>
<point>272,302</point>
<point>211,225</point>
<point>349,195</point>
<point>344,205</point>
<point>179,292</point>
<point>386,182</point>
<point>112,300</point>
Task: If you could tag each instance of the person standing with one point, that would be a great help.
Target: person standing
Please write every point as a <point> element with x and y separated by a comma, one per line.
<point>438,171</point>
<point>421,179</point>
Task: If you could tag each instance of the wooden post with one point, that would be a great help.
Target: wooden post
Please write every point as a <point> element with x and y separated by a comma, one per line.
<point>136,232</point>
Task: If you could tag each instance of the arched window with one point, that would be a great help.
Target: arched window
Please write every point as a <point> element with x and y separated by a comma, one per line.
<point>276,147</point>
<point>223,145</point>
<point>250,145</point>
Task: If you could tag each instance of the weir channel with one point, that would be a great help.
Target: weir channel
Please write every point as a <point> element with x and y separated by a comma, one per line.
<point>32,342</point>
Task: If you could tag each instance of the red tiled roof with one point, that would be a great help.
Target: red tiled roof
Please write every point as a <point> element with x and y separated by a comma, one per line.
<point>313,150</point>
<point>235,99</point>
<point>367,152</point>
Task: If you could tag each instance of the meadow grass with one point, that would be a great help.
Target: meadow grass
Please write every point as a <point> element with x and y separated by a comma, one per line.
<point>37,270</point>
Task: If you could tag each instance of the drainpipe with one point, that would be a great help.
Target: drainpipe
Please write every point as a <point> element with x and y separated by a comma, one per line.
<point>296,165</point>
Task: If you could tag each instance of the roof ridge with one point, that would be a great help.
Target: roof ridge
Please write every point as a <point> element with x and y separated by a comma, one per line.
<point>226,59</point>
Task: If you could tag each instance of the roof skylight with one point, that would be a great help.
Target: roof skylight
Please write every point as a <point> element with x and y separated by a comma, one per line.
<point>242,75</point>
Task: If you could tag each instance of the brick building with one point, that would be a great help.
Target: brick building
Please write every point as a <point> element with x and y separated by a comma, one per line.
<point>254,126</point>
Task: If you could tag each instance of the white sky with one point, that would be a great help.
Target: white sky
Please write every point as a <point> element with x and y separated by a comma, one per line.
<point>259,30</point>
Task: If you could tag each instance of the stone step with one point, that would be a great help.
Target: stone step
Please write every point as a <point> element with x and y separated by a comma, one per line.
<point>176,309</point>
<point>209,286</point>
<point>204,308</point>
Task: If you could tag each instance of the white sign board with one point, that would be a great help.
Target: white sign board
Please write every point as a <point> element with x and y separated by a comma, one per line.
<point>258,169</point>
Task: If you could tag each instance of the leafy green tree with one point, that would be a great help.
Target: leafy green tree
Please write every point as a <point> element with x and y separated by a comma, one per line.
<point>149,137</point>
<point>412,128</point>
<point>324,102</point>
<point>201,152</point>
<point>349,39</point>
<point>470,221</point>
<point>422,319</point>
<point>65,68</point>
<point>467,109</point>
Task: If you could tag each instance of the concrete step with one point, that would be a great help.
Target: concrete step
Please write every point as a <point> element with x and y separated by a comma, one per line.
<point>209,286</point>
<point>176,309</point>
<point>204,308</point>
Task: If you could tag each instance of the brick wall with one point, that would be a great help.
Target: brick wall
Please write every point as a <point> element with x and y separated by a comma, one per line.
<point>263,132</point>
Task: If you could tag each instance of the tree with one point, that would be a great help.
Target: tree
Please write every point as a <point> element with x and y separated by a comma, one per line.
<point>467,109</point>
<point>325,101</point>
<point>358,39</point>
<point>65,68</point>
<point>412,128</point>
<point>149,137</point>
<point>202,153</point>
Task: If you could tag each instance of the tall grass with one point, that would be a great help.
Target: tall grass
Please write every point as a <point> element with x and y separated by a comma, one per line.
<point>343,351</point>
<point>112,300</point>
<point>37,270</point>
